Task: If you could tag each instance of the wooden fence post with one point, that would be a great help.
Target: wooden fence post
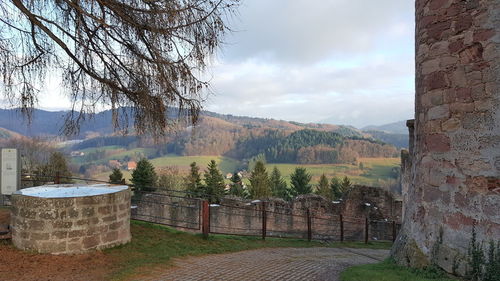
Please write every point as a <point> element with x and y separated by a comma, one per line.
<point>57,180</point>
<point>264,221</point>
<point>341,228</point>
<point>393,231</point>
<point>366,230</point>
<point>205,218</point>
<point>309,226</point>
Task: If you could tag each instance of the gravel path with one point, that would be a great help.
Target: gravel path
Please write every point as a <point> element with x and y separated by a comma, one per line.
<point>270,264</point>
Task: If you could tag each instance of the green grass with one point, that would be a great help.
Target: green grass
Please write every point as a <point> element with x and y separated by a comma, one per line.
<point>113,152</point>
<point>226,165</point>
<point>153,245</point>
<point>389,271</point>
<point>376,171</point>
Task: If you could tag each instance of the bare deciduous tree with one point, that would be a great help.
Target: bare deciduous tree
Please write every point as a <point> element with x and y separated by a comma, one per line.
<point>147,54</point>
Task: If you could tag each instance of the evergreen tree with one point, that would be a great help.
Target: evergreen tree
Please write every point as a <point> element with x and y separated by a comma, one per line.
<point>236,186</point>
<point>144,176</point>
<point>278,185</point>
<point>346,184</point>
<point>323,188</point>
<point>193,181</point>
<point>116,177</point>
<point>214,183</point>
<point>300,179</point>
<point>259,182</point>
<point>336,187</point>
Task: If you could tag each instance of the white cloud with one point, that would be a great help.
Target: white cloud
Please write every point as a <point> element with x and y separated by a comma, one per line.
<point>348,61</point>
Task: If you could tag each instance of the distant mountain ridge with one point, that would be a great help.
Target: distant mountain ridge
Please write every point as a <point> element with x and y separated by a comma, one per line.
<point>398,127</point>
<point>49,124</point>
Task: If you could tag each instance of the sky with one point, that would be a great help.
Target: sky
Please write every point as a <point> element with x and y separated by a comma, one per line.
<point>345,62</point>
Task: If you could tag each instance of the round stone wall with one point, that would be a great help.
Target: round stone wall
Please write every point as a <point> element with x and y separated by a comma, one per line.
<point>70,225</point>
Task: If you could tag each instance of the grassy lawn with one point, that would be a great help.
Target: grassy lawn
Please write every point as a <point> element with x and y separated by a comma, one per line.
<point>153,245</point>
<point>389,271</point>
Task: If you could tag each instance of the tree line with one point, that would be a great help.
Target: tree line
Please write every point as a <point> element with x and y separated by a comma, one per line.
<point>211,185</point>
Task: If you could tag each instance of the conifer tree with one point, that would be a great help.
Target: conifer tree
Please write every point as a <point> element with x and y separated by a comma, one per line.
<point>300,179</point>
<point>346,184</point>
<point>144,176</point>
<point>259,182</point>
<point>336,187</point>
<point>323,188</point>
<point>236,186</point>
<point>278,185</point>
<point>116,177</point>
<point>214,183</point>
<point>193,181</point>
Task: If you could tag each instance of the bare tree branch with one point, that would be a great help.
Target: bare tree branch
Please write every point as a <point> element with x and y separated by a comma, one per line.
<point>145,55</point>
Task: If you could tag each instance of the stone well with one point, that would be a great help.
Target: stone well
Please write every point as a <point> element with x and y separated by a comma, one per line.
<point>70,219</point>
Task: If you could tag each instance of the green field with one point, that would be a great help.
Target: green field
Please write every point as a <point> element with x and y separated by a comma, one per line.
<point>226,165</point>
<point>113,152</point>
<point>375,172</point>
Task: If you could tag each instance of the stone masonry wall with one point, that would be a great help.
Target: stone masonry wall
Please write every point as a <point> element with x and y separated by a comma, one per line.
<point>456,158</point>
<point>284,219</point>
<point>70,225</point>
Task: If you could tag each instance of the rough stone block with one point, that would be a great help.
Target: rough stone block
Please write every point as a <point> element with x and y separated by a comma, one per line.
<point>62,224</point>
<point>438,143</point>
<point>36,225</point>
<point>104,210</point>
<point>116,225</point>
<point>451,125</point>
<point>472,53</point>
<point>464,95</point>
<point>27,213</point>
<point>111,236</point>
<point>91,242</point>
<point>438,112</point>
<point>88,212</point>
<point>458,79</point>
<point>109,218</point>
<point>39,236</point>
<point>460,107</point>
<point>430,66</point>
<point>59,235</point>
<point>483,34</point>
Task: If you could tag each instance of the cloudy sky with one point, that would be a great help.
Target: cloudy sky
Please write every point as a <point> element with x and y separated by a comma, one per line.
<point>334,61</point>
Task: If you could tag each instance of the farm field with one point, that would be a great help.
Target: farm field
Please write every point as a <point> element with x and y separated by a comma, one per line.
<point>111,153</point>
<point>373,171</point>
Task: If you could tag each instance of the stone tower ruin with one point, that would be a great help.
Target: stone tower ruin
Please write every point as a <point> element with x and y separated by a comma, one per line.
<point>454,173</point>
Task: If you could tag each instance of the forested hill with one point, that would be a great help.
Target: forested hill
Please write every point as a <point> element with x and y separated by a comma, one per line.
<point>49,123</point>
<point>238,137</point>
<point>213,136</point>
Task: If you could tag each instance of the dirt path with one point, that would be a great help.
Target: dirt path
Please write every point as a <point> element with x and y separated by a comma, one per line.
<point>269,264</point>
